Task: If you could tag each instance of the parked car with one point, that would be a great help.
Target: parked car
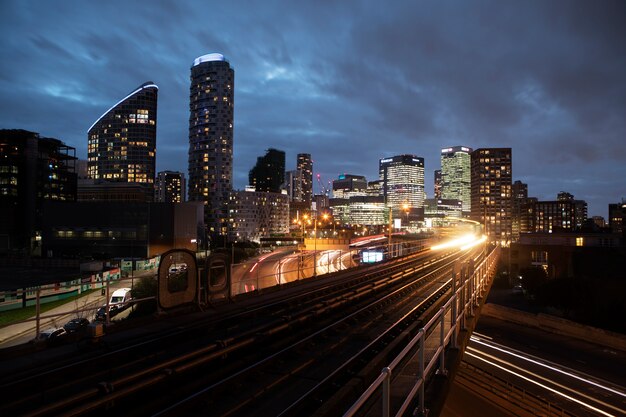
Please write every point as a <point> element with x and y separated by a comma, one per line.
<point>101,314</point>
<point>78,324</point>
<point>52,336</point>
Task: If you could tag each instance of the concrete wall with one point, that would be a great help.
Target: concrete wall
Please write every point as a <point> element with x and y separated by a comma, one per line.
<point>557,325</point>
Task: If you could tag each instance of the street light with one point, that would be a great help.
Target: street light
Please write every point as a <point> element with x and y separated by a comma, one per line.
<point>406,209</point>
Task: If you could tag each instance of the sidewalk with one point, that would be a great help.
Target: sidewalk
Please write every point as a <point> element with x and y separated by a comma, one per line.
<point>19,333</point>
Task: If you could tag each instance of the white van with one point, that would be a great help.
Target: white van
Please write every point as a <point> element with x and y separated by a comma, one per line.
<point>120,297</point>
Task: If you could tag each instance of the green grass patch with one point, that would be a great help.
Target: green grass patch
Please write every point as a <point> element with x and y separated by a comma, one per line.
<point>20,314</point>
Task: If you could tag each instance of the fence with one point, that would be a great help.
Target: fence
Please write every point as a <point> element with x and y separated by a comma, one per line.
<point>432,340</point>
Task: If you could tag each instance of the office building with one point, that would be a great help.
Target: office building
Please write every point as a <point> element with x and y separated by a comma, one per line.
<point>33,169</point>
<point>402,177</point>
<point>211,111</point>
<point>114,229</point>
<point>268,175</point>
<point>121,145</point>
<point>456,175</point>
<point>346,186</point>
<point>170,187</point>
<point>305,166</point>
<point>491,181</point>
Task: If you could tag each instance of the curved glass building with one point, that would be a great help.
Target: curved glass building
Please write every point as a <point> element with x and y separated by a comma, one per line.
<point>211,105</point>
<point>122,142</point>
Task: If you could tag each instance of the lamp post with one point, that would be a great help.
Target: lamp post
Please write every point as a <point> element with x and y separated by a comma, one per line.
<point>406,209</point>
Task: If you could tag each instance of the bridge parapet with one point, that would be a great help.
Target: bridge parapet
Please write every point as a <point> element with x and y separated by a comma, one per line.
<point>441,341</point>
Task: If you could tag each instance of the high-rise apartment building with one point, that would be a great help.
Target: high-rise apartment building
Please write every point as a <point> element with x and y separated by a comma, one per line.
<point>456,175</point>
<point>211,111</point>
<point>403,182</point>
<point>491,181</point>
<point>170,187</point>
<point>33,170</point>
<point>121,145</point>
<point>617,217</point>
<point>305,166</point>
<point>255,215</point>
<point>268,175</point>
<point>563,215</point>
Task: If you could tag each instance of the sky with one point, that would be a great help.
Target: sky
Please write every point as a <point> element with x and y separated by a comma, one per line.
<point>349,82</point>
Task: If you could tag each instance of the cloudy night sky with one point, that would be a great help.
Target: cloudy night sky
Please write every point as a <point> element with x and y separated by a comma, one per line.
<point>349,82</point>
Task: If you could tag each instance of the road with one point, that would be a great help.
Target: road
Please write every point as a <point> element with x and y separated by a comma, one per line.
<point>286,265</point>
<point>24,332</point>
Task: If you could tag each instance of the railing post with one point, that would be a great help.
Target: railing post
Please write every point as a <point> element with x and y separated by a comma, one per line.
<point>453,312</point>
<point>387,392</point>
<point>37,311</point>
<point>420,375</point>
<point>108,316</point>
<point>442,340</point>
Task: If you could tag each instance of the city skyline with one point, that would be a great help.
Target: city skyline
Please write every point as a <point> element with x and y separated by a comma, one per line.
<point>349,83</point>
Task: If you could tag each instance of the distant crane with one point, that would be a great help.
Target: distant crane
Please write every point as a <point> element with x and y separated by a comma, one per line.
<point>325,191</point>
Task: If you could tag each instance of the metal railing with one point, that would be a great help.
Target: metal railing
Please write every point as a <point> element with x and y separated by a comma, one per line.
<point>432,339</point>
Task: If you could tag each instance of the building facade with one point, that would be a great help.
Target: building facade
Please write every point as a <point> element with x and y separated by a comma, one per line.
<point>346,186</point>
<point>456,175</point>
<point>255,215</point>
<point>563,215</point>
<point>437,183</point>
<point>33,169</point>
<point>617,217</point>
<point>402,179</point>
<point>268,175</point>
<point>305,166</point>
<point>492,192</point>
<point>121,145</point>
<point>211,111</point>
<point>170,187</point>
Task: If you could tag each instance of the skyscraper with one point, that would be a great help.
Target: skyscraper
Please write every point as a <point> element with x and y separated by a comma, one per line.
<point>456,175</point>
<point>268,175</point>
<point>305,166</point>
<point>492,192</point>
<point>437,184</point>
<point>121,144</point>
<point>403,181</point>
<point>170,187</point>
<point>211,108</point>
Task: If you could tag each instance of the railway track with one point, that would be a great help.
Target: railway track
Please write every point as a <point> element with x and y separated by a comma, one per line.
<point>301,346</point>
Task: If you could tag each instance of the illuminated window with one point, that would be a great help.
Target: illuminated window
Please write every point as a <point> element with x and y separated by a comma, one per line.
<point>580,241</point>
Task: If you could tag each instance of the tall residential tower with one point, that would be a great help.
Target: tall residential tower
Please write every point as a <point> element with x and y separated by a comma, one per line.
<point>492,203</point>
<point>121,145</point>
<point>211,108</point>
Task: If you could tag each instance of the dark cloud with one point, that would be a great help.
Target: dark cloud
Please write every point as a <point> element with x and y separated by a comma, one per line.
<point>348,82</point>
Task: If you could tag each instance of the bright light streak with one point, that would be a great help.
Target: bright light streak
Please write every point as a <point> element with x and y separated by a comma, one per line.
<point>463,240</point>
<point>528,358</point>
<point>476,242</point>
<point>562,394</point>
<point>258,262</point>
